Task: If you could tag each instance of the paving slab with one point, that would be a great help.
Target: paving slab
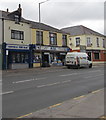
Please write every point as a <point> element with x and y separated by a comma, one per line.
<point>86,106</point>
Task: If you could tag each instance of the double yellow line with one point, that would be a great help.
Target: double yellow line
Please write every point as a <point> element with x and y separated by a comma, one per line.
<point>76,98</point>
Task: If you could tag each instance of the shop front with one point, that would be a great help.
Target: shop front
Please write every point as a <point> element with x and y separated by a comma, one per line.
<point>46,56</point>
<point>16,56</point>
<point>96,55</point>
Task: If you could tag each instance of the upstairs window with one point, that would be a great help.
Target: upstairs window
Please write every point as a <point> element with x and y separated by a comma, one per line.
<point>89,43</point>
<point>97,41</point>
<point>77,41</point>
<point>53,38</point>
<point>16,19</point>
<point>18,35</point>
<point>64,39</point>
<point>39,37</point>
<point>104,43</point>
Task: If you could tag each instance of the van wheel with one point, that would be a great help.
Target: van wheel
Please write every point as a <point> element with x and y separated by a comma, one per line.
<point>78,67</point>
<point>90,66</point>
<point>68,67</point>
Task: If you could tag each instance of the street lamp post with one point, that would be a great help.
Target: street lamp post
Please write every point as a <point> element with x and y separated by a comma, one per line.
<point>39,28</point>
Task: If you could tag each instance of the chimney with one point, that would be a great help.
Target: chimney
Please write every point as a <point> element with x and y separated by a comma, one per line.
<point>20,10</point>
<point>7,10</point>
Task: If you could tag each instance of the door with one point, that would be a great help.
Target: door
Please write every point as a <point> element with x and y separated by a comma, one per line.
<point>89,56</point>
<point>45,60</point>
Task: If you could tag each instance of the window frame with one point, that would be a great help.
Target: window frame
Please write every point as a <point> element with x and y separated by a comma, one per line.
<point>53,37</point>
<point>89,42</point>
<point>39,37</point>
<point>17,35</point>
<point>77,41</point>
<point>96,56</point>
<point>97,42</point>
<point>103,44</point>
<point>64,40</point>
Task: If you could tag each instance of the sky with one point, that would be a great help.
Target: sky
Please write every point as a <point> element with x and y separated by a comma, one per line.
<point>61,13</point>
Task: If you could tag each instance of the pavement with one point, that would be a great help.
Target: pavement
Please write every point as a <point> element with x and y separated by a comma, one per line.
<point>41,68</point>
<point>85,106</point>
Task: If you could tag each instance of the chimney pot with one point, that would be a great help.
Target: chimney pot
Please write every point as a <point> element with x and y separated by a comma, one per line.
<point>19,5</point>
<point>7,10</point>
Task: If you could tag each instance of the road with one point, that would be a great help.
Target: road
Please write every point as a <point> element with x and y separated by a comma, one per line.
<point>29,91</point>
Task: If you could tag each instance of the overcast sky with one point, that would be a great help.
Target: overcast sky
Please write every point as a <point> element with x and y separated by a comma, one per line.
<point>62,13</point>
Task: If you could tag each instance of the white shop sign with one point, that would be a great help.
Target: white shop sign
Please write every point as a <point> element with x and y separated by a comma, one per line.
<point>51,48</point>
<point>22,47</point>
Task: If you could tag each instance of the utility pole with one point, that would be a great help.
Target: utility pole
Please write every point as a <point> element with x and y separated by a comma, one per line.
<point>39,29</point>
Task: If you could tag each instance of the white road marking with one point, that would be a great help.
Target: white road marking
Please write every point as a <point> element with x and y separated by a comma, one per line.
<point>78,73</point>
<point>66,81</point>
<point>94,76</point>
<point>94,71</point>
<point>28,80</point>
<point>47,85</point>
<point>9,92</point>
<point>68,74</point>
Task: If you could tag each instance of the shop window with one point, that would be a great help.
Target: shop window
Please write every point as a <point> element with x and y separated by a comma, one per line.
<point>53,38</point>
<point>18,35</point>
<point>64,38</point>
<point>39,37</point>
<point>96,56</point>
<point>36,58</point>
<point>19,58</point>
<point>77,41</point>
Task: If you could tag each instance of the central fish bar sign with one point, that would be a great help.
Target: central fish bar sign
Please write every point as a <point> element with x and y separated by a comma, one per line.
<point>52,48</point>
<point>22,47</point>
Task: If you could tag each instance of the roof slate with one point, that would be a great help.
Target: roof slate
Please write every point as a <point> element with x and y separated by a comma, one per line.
<point>80,30</point>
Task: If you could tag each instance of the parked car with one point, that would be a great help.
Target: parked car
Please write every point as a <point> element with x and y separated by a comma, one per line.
<point>77,59</point>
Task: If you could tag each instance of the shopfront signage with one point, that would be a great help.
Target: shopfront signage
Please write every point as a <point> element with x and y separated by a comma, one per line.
<point>22,47</point>
<point>48,48</point>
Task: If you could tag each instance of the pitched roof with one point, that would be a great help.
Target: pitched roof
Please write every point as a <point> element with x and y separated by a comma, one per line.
<point>80,30</point>
<point>46,27</point>
<point>36,25</point>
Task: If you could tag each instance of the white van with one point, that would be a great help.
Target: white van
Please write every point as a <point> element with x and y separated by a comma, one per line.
<point>77,59</point>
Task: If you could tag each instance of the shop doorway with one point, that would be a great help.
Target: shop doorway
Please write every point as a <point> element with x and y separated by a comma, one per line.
<point>89,56</point>
<point>45,60</point>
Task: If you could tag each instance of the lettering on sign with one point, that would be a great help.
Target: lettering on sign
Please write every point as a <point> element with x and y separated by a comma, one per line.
<point>52,48</point>
<point>24,47</point>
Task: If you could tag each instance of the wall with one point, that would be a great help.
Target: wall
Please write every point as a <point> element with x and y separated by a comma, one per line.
<point>46,40</point>
<point>84,42</point>
<point>10,25</point>
<point>73,41</point>
<point>59,39</point>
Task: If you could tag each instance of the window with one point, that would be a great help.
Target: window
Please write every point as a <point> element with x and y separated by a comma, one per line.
<point>19,57</point>
<point>53,38</point>
<point>36,58</point>
<point>103,43</point>
<point>97,41</point>
<point>77,42</point>
<point>96,56</point>
<point>19,35</point>
<point>89,42</point>
<point>39,37</point>
<point>64,39</point>
<point>16,19</point>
